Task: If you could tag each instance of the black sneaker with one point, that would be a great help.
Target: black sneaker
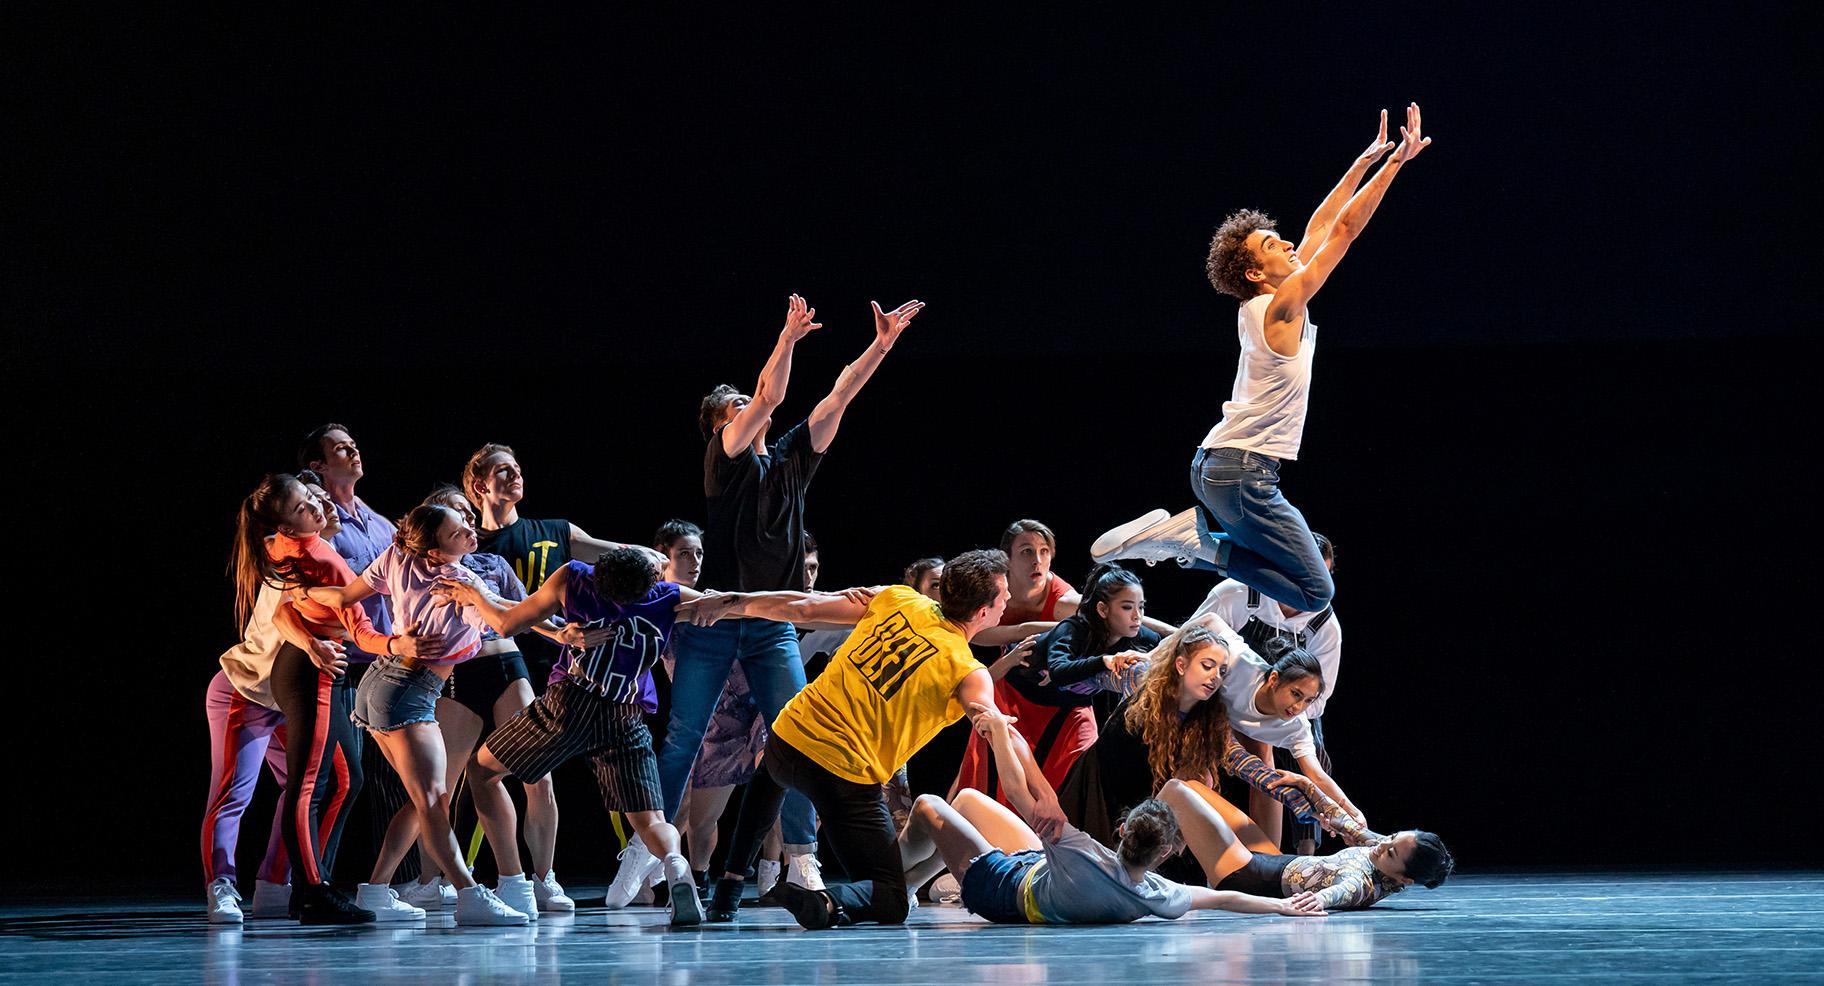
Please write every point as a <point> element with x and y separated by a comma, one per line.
<point>701,879</point>
<point>324,904</point>
<point>725,900</point>
<point>814,910</point>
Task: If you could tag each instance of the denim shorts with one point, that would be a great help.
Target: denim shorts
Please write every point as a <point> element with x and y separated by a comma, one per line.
<point>392,695</point>
<point>992,887</point>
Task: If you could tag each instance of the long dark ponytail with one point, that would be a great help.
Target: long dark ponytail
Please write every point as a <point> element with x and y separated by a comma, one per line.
<point>249,564</point>
<point>1103,582</point>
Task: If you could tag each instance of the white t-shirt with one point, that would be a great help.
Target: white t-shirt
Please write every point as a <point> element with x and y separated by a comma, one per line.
<point>1229,600</point>
<point>1245,673</point>
<point>1266,413</point>
<point>248,664</point>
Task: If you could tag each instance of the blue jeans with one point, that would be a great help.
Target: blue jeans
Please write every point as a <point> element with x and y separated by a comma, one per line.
<point>1269,546</point>
<point>768,652</point>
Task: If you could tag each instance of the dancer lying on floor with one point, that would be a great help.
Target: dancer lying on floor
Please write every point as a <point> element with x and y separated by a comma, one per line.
<point>1237,856</point>
<point>1010,875</point>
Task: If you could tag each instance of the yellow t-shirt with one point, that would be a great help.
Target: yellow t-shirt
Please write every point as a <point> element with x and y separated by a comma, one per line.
<point>889,689</point>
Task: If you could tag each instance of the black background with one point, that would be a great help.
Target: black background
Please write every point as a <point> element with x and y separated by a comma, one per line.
<point>1557,429</point>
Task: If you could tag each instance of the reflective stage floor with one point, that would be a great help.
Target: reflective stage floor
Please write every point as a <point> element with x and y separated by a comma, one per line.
<point>1537,928</point>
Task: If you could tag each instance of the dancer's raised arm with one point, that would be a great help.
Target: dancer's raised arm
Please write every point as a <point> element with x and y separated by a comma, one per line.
<point>1285,317</point>
<point>751,419</point>
<point>827,416</point>
<point>1326,213</point>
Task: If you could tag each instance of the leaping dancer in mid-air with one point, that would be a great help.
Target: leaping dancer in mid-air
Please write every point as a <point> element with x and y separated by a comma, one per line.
<point>1264,540</point>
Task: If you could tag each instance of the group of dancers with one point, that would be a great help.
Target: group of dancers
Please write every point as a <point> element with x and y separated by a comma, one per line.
<point>1117,766</point>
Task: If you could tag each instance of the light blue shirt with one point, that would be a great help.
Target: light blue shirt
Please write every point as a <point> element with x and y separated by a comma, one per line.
<point>365,536</point>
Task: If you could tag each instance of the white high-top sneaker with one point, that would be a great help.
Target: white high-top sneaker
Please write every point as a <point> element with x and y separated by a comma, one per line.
<point>426,895</point>
<point>766,874</point>
<point>516,892</point>
<point>477,905</point>
<point>686,909</point>
<point>803,870</point>
<point>270,900</point>
<point>945,890</point>
<point>638,867</point>
<point>385,903</point>
<point>551,896</point>
<point>224,901</point>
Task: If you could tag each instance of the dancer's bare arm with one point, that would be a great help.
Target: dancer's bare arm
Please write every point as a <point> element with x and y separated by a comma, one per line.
<point>770,390</point>
<point>839,609</point>
<point>827,416</point>
<point>584,546</point>
<point>1326,213</point>
<point>507,620</point>
<point>1304,905</point>
<point>1021,777</point>
<point>1285,319</point>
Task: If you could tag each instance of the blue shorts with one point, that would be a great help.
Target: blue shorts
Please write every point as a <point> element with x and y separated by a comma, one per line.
<point>392,695</point>
<point>991,888</point>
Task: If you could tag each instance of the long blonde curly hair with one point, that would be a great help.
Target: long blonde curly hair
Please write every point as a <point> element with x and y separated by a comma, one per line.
<point>1196,741</point>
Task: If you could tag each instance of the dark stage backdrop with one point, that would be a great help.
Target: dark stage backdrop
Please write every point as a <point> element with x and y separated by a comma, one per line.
<point>1557,428</point>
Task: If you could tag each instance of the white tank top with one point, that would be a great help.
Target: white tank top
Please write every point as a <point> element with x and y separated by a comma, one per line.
<point>1267,412</point>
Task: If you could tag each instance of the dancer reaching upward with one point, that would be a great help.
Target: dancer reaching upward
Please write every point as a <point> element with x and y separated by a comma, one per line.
<point>1264,540</point>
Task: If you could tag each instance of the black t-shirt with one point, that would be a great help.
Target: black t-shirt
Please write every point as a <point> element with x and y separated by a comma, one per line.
<point>1064,652</point>
<point>535,548</point>
<point>754,541</point>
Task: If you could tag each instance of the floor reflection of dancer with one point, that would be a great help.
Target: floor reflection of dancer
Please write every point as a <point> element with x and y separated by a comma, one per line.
<point>1235,475</point>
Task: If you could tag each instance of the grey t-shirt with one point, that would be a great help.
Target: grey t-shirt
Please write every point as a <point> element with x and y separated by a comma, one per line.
<point>1084,882</point>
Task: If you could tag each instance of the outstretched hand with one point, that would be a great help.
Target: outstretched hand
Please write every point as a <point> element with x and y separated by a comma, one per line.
<point>1303,905</point>
<point>986,719</point>
<point>1380,147</point>
<point>798,319</point>
<point>1411,140</point>
<point>706,609</point>
<point>888,325</point>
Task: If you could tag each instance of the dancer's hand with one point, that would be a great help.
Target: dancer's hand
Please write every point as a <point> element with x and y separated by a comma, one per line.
<point>1411,141</point>
<point>1380,147</point>
<point>798,319</point>
<point>706,609</point>
<point>986,719</point>
<point>456,591</point>
<point>1047,819</point>
<point>1293,779</point>
<point>860,594</point>
<point>573,635</point>
<point>1124,660</point>
<point>416,644</point>
<point>888,325</point>
<point>328,655</point>
<point>1303,905</point>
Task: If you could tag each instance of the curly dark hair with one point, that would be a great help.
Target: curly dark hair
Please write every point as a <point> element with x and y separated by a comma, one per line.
<point>1230,259</point>
<point>968,582</point>
<point>625,575</point>
<point>709,413</point>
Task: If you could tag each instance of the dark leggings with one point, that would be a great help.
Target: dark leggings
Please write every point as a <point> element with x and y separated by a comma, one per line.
<point>322,759</point>
<point>856,825</point>
<point>385,791</point>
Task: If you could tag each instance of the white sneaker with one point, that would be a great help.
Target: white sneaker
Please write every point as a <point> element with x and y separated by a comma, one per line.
<point>646,898</point>
<point>1154,537</point>
<point>911,899</point>
<point>686,908</point>
<point>385,903</point>
<point>516,892</point>
<point>945,890</point>
<point>447,891</point>
<point>551,896</point>
<point>803,870</point>
<point>426,895</point>
<point>224,901</point>
<point>477,905</point>
<point>638,867</point>
<point>766,873</point>
<point>270,900</point>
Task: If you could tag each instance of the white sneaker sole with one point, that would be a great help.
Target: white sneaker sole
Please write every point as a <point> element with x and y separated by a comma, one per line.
<point>1116,538</point>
